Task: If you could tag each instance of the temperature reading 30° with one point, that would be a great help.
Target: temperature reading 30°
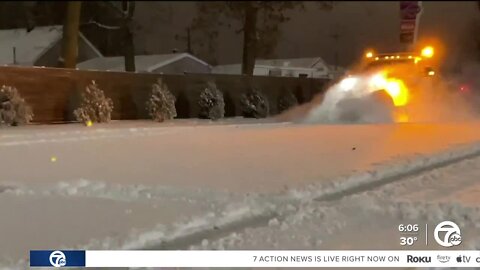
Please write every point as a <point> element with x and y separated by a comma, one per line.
<point>408,241</point>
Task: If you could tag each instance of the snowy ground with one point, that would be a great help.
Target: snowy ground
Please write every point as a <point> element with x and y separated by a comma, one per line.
<point>235,186</point>
<point>369,220</point>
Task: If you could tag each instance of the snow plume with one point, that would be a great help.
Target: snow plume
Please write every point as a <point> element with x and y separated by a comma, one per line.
<point>345,102</point>
<point>448,97</point>
<point>353,99</point>
<point>342,102</point>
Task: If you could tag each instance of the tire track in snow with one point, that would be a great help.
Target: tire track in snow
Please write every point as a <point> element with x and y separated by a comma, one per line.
<point>343,188</point>
<point>217,228</point>
<point>395,177</point>
<point>222,226</point>
<point>214,232</point>
<point>358,184</point>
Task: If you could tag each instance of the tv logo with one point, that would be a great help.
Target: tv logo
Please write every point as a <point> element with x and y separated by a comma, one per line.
<point>58,259</point>
<point>463,259</point>
<point>452,235</point>
<point>443,259</point>
<point>415,259</point>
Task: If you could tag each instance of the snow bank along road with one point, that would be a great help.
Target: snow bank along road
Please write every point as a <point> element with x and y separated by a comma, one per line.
<point>141,185</point>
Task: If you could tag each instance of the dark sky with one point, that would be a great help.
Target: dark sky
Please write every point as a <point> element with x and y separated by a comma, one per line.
<point>360,25</point>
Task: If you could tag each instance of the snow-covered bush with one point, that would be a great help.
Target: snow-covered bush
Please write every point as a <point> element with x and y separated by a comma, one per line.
<point>95,106</point>
<point>286,101</point>
<point>14,110</point>
<point>161,105</point>
<point>254,104</point>
<point>212,105</point>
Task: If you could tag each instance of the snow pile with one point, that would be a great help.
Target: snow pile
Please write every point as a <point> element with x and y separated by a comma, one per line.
<point>84,188</point>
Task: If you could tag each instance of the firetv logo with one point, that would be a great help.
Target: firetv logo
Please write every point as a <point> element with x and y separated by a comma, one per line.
<point>443,259</point>
<point>452,234</point>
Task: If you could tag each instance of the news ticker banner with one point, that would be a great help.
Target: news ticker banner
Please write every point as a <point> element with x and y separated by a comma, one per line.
<point>255,258</point>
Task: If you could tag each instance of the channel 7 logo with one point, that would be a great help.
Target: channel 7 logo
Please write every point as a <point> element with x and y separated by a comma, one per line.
<point>452,235</point>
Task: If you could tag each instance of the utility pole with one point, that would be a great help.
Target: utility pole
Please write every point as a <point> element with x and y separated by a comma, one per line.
<point>336,36</point>
<point>250,37</point>
<point>187,39</point>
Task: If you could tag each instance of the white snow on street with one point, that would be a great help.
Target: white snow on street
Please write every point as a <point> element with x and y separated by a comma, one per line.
<point>147,185</point>
<point>238,158</point>
<point>370,220</point>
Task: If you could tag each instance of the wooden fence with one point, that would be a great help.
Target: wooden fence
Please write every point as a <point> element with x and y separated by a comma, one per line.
<point>54,93</point>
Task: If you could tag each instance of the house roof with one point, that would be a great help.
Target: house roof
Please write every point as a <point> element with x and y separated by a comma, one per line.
<point>292,62</point>
<point>143,63</point>
<point>337,68</point>
<point>30,46</point>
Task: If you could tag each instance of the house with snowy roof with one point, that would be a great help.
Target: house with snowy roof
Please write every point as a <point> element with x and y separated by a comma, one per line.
<point>173,63</point>
<point>337,71</point>
<point>40,47</point>
<point>314,67</point>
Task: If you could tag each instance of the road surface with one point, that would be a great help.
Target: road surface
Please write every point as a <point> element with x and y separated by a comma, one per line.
<point>229,185</point>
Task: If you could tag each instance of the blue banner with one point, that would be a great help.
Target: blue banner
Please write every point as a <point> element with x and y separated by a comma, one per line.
<point>57,258</point>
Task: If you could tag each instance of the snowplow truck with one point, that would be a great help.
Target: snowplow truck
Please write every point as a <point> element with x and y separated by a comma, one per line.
<point>385,85</point>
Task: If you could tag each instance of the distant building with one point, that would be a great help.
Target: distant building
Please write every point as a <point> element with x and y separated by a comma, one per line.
<point>337,71</point>
<point>295,67</point>
<point>40,47</point>
<point>175,63</point>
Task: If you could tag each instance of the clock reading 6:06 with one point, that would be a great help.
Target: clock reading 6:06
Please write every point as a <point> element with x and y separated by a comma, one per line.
<point>408,228</point>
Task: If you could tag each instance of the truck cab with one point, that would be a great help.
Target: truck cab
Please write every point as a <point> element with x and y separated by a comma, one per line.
<point>420,64</point>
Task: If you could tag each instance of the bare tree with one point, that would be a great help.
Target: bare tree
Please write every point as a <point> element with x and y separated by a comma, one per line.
<point>70,34</point>
<point>123,21</point>
<point>129,53</point>
<point>259,21</point>
<point>29,9</point>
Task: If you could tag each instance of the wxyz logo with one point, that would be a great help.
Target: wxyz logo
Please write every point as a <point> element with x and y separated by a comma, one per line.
<point>452,235</point>
<point>58,259</point>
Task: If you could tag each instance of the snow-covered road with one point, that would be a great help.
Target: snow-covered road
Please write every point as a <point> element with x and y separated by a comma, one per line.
<point>235,186</point>
<point>236,158</point>
<point>370,219</point>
